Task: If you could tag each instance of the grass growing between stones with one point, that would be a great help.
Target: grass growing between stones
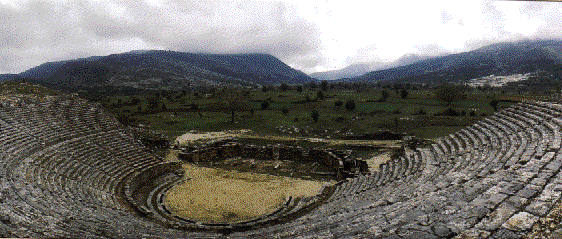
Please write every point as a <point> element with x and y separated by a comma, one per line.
<point>215,195</point>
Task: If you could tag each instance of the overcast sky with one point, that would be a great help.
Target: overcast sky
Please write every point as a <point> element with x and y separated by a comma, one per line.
<point>308,35</point>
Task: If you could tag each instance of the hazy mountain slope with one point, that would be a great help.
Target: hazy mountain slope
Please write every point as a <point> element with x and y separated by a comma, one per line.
<point>347,72</point>
<point>167,69</point>
<point>5,77</point>
<point>359,69</point>
<point>497,59</point>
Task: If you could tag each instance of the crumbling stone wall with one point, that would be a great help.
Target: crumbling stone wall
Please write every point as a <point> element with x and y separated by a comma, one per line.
<point>271,152</point>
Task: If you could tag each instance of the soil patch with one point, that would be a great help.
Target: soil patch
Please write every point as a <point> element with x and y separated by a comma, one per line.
<point>216,195</point>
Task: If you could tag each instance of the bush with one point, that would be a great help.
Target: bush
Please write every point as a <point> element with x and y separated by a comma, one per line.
<point>384,95</point>
<point>284,110</point>
<point>404,94</point>
<point>324,85</point>
<point>284,87</point>
<point>314,115</point>
<point>135,101</point>
<point>396,112</point>
<point>194,106</point>
<point>320,95</point>
<point>472,113</point>
<point>350,105</point>
<point>339,119</point>
<point>450,93</point>
<point>338,103</point>
<point>494,103</point>
<point>421,112</point>
<point>450,112</point>
<point>264,105</point>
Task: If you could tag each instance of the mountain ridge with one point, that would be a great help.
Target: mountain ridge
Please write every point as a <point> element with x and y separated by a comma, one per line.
<point>160,68</point>
<point>506,58</point>
<point>358,69</point>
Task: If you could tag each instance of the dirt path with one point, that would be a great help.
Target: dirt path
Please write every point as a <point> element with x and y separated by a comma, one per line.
<point>192,137</point>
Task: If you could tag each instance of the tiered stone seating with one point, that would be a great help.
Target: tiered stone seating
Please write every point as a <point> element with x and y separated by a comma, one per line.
<point>503,169</point>
<point>68,169</point>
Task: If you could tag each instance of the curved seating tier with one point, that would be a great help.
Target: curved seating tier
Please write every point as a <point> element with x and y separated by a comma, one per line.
<point>68,169</point>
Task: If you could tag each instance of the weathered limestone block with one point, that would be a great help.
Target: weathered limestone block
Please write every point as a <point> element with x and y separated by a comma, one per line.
<point>540,208</point>
<point>528,191</point>
<point>473,234</point>
<point>520,222</point>
<point>497,217</point>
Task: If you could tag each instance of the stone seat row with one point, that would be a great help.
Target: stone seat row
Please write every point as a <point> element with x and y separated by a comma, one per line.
<point>498,141</point>
<point>477,181</point>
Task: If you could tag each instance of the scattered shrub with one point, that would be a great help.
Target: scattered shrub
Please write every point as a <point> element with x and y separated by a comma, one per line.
<point>338,103</point>
<point>350,105</point>
<point>264,105</point>
<point>449,112</point>
<point>314,115</point>
<point>339,119</point>
<point>404,94</point>
<point>384,96</point>
<point>494,103</point>
<point>284,110</point>
<point>284,87</point>
<point>320,95</point>
<point>421,112</point>
<point>194,106</point>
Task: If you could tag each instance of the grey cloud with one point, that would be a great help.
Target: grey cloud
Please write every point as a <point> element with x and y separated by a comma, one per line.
<point>364,54</point>
<point>217,28</point>
<point>431,50</point>
<point>78,28</point>
<point>551,13</point>
<point>446,16</point>
<point>495,18</point>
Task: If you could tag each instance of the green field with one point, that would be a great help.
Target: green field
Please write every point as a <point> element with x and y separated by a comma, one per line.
<point>174,114</point>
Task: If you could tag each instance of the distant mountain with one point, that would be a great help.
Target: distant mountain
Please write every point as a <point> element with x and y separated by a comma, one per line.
<point>347,72</point>
<point>6,77</point>
<point>359,69</point>
<point>167,70</point>
<point>496,59</point>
